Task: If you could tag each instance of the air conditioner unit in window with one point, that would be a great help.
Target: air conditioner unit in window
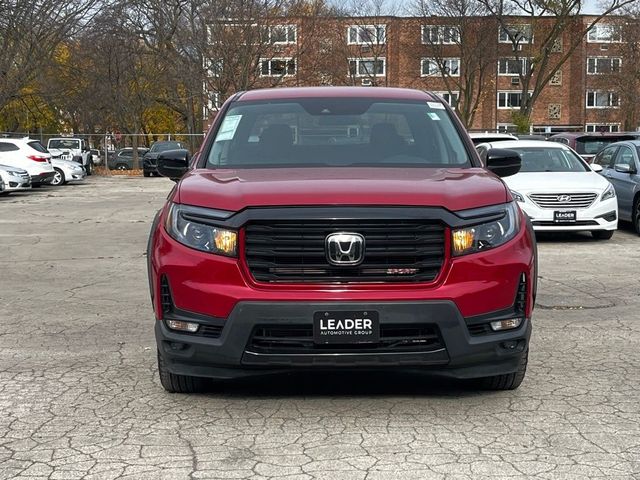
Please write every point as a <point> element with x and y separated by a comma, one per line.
<point>366,82</point>
<point>517,47</point>
<point>604,47</point>
<point>366,48</point>
<point>515,80</point>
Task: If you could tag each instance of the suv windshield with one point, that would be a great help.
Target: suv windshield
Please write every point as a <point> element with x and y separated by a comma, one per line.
<point>165,146</point>
<point>549,160</point>
<point>318,132</point>
<point>62,143</point>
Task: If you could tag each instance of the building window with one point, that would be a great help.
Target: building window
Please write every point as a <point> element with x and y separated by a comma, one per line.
<point>450,97</point>
<point>603,33</point>
<point>440,35</point>
<point>509,99</point>
<point>517,34</point>
<point>505,127</point>
<point>599,99</point>
<point>432,67</point>
<point>602,127</point>
<point>513,66</point>
<point>367,67</point>
<point>367,34</point>
<point>277,67</point>
<point>281,34</point>
<point>600,65</point>
<point>212,104</point>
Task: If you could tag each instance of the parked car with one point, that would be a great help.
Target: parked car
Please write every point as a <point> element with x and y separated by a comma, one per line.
<point>559,191</point>
<point>150,158</point>
<point>14,179</point>
<point>123,158</point>
<point>620,163</point>
<point>29,155</point>
<point>69,148</point>
<point>487,137</point>
<point>589,144</point>
<point>67,171</point>
<point>283,249</point>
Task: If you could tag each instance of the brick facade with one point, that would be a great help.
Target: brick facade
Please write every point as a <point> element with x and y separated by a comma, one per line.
<point>388,51</point>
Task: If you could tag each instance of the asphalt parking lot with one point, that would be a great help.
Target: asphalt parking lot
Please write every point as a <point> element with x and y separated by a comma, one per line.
<point>80,396</point>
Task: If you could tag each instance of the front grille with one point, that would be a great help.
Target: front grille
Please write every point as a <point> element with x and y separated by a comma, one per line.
<point>165,295</point>
<point>549,223</point>
<point>296,339</point>
<point>395,251</point>
<point>563,200</point>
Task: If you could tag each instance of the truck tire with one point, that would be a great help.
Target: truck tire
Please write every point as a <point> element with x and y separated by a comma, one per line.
<point>173,383</point>
<point>508,381</point>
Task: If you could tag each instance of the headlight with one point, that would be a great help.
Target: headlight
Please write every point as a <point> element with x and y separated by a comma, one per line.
<point>610,192</point>
<point>13,173</point>
<point>202,237</point>
<point>517,196</point>
<point>487,235</point>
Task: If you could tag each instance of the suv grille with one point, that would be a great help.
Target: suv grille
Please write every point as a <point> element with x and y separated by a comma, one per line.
<point>563,200</point>
<point>291,339</point>
<point>395,250</point>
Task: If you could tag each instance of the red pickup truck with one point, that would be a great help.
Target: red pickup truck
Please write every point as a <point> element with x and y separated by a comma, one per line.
<point>340,228</point>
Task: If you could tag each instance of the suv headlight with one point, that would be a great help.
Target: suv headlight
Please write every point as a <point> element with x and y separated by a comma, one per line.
<point>200,236</point>
<point>610,192</point>
<point>489,235</point>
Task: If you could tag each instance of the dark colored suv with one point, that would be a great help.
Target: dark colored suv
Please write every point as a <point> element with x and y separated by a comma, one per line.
<point>340,228</point>
<point>151,157</point>
<point>589,144</point>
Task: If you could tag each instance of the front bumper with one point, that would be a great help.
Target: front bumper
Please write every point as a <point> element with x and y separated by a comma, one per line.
<point>599,216</point>
<point>231,354</point>
<point>42,178</point>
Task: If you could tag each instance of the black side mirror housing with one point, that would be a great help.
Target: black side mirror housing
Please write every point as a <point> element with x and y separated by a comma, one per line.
<point>173,163</point>
<point>503,162</point>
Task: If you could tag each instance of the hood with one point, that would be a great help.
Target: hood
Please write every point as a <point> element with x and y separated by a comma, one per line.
<point>556,182</point>
<point>451,188</point>
<point>58,162</point>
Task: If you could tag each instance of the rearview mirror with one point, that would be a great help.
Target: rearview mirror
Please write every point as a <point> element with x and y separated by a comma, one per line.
<point>596,167</point>
<point>503,162</point>
<point>173,163</point>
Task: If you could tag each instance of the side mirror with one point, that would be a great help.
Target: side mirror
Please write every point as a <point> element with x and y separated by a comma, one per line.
<point>624,168</point>
<point>503,162</point>
<point>596,167</point>
<point>173,163</point>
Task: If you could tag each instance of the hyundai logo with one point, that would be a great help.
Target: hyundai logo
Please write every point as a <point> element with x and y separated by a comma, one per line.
<point>564,198</point>
<point>344,248</point>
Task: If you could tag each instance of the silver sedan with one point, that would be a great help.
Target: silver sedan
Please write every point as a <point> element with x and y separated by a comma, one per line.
<point>67,171</point>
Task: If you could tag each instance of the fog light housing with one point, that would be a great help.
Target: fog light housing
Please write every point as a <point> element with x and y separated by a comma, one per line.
<point>509,324</point>
<point>183,326</point>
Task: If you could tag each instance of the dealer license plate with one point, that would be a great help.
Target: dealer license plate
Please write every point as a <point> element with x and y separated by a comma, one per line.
<point>346,327</point>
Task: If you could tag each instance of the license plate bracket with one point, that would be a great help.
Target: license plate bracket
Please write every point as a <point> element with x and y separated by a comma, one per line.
<point>346,327</point>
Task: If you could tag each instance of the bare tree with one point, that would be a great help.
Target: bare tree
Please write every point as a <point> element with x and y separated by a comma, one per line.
<point>626,80</point>
<point>459,50</point>
<point>30,33</point>
<point>541,59</point>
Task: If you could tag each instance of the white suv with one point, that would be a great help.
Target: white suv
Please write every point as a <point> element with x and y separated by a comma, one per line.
<point>69,148</point>
<point>29,155</point>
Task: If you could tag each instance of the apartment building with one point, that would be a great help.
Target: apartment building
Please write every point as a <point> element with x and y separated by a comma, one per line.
<point>475,64</point>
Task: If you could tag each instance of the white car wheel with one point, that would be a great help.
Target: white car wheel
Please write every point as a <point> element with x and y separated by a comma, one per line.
<point>58,178</point>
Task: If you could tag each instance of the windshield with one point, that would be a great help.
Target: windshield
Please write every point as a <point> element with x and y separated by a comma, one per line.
<point>165,146</point>
<point>63,143</point>
<point>591,146</point>
<point>549,160</point>
<point>318,132</point>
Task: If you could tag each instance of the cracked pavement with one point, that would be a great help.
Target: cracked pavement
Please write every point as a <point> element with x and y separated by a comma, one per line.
<point>80,396</point>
